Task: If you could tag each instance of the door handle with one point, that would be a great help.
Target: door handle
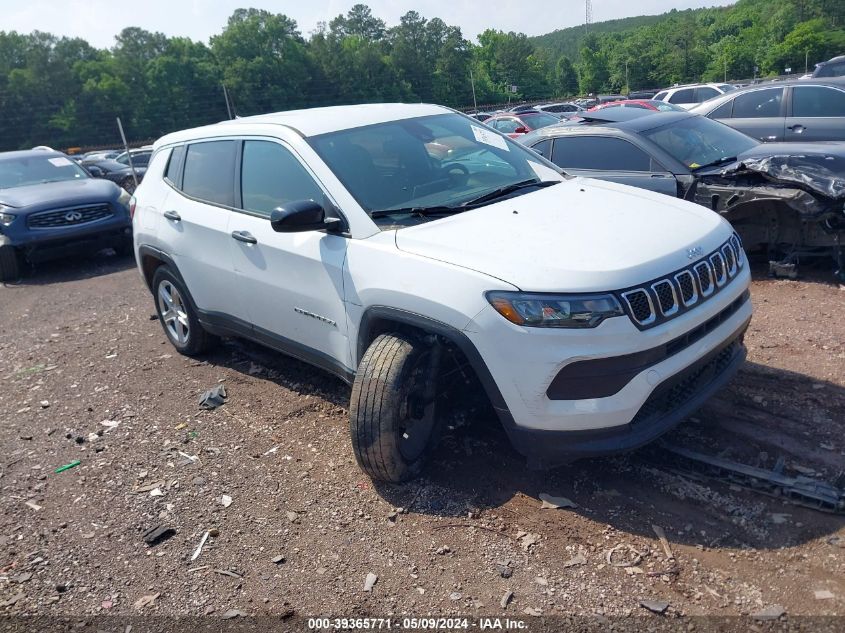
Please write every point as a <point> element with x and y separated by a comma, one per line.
<point>244,236</point>
<point>659,176</point>
<point>769,138</point>
<point>172,215</point>
<point>797,128</point>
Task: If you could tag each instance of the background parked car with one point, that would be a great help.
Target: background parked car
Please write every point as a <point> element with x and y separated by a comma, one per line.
<point>50,206</point>
<point>480,116</point>
<point>519,123</point>
<point>644,104</point>
<point>831,68</point>
<point>695,158</point>
<point>140,157</point>
<point>797,110</point>
<point>560,110</point>
<point>118,173</point>
<point>689,96</point>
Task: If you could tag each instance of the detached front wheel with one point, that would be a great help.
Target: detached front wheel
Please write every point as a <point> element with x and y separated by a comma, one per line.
<point>392,413</point>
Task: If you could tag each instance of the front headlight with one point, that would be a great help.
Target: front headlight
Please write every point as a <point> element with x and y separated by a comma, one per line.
<point>542,310</point>
<point>124,197</point>
<point>6,218</point>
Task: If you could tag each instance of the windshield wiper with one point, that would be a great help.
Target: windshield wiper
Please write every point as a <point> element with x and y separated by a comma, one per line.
<point>420,211</point>
<point>719,161</point>
<point>503,191</point>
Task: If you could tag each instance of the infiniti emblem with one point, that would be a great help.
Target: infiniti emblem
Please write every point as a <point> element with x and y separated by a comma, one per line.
<point>692,253</point>
<point>73,216</point>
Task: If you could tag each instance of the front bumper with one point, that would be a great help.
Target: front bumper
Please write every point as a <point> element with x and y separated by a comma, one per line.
<point>671,402</point>
<point>609,415</point>
<point>43,244</point>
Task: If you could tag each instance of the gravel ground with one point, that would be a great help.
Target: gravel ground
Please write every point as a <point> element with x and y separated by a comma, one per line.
<point>295,527</point>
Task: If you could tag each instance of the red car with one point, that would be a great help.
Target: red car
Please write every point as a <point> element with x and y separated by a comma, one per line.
<point>515,124</point>
<point>645,104</point>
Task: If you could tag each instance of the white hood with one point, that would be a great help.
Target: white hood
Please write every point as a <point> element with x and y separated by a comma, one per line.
<point>581,235</point>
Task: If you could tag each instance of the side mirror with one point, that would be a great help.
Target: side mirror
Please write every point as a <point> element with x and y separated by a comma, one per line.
<point>300,216</point>
<point>521,130</point>
<point>96,171</point>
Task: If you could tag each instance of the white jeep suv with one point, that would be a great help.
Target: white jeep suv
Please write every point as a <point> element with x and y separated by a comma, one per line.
<point>407,247</point>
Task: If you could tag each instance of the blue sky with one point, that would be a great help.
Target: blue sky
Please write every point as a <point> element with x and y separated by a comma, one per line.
<point>99,20</point>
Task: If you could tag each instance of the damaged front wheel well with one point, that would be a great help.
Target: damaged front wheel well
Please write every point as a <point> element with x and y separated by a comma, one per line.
<point>461,362</point>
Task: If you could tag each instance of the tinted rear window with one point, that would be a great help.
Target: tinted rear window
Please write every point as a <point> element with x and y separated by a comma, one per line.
<point>210,172</point>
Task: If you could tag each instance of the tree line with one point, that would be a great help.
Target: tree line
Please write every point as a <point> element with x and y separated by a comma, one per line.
<point>64,92</point>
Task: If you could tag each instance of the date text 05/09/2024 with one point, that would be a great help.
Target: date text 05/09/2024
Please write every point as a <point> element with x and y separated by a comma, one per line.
<point>424,623</point>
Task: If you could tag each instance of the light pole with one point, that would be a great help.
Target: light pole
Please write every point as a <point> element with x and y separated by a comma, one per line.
<point>627,87</point>
<point>806,59</point>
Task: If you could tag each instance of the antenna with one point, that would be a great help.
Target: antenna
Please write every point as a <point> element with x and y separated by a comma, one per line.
<point>588,18</point>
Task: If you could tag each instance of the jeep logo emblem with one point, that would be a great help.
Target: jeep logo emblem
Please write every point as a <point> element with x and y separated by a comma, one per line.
<point>73,216</point>
<point>692,253</point>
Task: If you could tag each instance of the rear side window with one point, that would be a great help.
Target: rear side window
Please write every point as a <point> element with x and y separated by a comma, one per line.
<point>817,101</point>
<point>271,177</point>
<point>758,104</point>
<point>174,165</point>
<point>209,172</point>
<point>598,152</point>
<point>687,95</point>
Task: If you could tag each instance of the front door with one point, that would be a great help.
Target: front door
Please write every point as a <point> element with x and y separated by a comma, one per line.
<point>290,284</point>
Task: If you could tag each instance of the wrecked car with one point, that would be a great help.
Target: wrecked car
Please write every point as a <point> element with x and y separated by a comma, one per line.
<point>784,199</point>
<point>411,250</point>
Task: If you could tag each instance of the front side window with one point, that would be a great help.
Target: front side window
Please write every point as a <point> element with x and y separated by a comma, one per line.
<point>723,111</point>
<point>444,160</point>
<point>660,96</point>
<point>817,101</point>
<point>38,169</point>
<point>599,152</point>
<point>758,104</point>
<point>704,93</point>
<point>209,172</point>
<point>544,148</point>
<point>272,177</point>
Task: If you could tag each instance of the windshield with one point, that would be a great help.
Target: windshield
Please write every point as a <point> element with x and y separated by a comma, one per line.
<point>443,160</point>
<point>34,170</point>
<point>541,119</point>
<point>700,141</point>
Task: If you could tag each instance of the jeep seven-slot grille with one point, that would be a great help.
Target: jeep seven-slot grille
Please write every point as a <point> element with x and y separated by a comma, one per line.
<point>68,217</point>
<point>665,298</point>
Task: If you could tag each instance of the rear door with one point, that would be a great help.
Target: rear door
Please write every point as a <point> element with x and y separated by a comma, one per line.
<point>195,220</point>
<point>290,284</point>
<point>817,113</point>
<point>758,113</point>
<point>614,159</point>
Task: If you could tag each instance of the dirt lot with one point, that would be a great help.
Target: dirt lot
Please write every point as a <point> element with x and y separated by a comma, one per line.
<point>78,348</point>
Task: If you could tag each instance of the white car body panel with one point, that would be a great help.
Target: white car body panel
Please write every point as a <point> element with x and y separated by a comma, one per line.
<point>560,238</point>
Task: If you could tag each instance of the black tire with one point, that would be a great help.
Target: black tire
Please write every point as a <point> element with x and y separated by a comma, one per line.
<point>393,428</point>
<point>10,263</point>
<point>195,340</point>
<point>124,248</point>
